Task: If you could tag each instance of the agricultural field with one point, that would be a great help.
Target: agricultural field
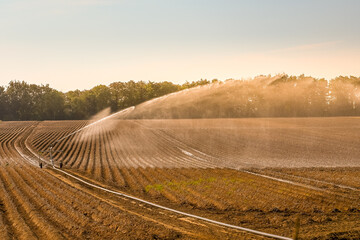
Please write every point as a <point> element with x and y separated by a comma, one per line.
<point>261,174</point>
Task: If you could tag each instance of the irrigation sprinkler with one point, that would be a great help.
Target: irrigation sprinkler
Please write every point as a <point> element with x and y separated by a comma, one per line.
<point>51,152</point>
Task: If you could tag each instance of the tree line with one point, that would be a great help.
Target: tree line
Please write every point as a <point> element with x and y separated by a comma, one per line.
<point>286,96</point>
<point>263,96</point>
<point>294,96</point>
<point>22,101</point>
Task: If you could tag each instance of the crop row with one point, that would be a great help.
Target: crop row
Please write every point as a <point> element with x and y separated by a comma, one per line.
<point>312,142</point>
<point>140,159</point>
<point>180,166</point>
<point>36,205</point>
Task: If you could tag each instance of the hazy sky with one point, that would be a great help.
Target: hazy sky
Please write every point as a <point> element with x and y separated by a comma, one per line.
<point>77,44</point>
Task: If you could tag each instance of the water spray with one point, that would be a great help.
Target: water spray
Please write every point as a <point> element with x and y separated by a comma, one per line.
<point>96,122</point>
<point>51,151</point>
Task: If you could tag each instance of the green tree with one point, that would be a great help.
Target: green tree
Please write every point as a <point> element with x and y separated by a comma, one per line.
<point>3,104</point>
<point>20,100</point>
<point>344,96</point>
<point>102,96</point>
<point>74,105</point>
<point>51,104</point>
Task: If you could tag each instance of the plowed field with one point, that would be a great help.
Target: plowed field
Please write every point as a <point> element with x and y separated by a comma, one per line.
<point>260,174</point>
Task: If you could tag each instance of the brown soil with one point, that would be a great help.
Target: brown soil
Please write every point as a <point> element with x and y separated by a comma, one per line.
<point>186,165</point>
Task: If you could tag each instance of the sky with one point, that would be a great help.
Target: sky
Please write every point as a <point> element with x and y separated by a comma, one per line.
<point>78,44</point>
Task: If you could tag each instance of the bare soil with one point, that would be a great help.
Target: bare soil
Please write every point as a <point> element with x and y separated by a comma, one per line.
<point>261,174</point>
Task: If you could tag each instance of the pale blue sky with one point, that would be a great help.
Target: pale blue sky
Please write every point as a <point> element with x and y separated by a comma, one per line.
<point>74,44</point>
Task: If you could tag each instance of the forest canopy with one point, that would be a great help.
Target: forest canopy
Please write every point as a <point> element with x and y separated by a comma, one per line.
<point>264,96</point>
<point>22,101</point>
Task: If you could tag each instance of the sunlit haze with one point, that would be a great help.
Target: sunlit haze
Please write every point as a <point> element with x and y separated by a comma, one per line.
<point>78,44</point>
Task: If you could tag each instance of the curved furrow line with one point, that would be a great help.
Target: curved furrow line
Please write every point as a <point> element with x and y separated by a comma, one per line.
<point>299,194</point>
<point>154,178</point>
<point>97,169</point>
<point>52,219</point>
<point>32,218</point>
<point>92,162</point>
<point>86,165</point>
<point>38,138</point>
<point>339,195</point>
<point>5,135</point>
<point>250,188</point>
<point>81,161</point>
<point>3,147</point>
<point>202,199</point>
<point>119,179</point>
<point>131,157</point>
<point>157,158</point>
<point>69,148</point>
<point>151,148</point>
<point>303,188</point>
<point>161,135</point>
<point>76,152</point>
<point>103,216</point>
<point>175,211</point>
<point>58,207</point>
<point>121,153</point>
<point>139,178</point>
<point>8,144</point>
<point>122,140</point>
<point>5,231</point>
<point>174,158</point>
<point>308,179</point>
<point>44,146</point>
<point>194,145</point>
<point>278,190</point>
<point>187,195</point>
<point>193,197</point>
<point>54,136</point>
<point>113,162</point>
<point>130,180</point>
<point>18,227</point>
<point>59,149</point>
<point>140,160</point>
<point>106,167</point>
<point>186,214</point>
<point>189,160</point>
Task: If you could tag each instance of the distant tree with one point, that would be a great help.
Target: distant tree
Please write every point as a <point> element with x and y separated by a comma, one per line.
<point>286,96</point>
<point>316,98</point>
<point>131,93</point>
<point>102,95</point>
<point>20,100</point>
<point>51,103</point>
<point>344,96</point>
<point>194,84</point>
<point>88,100</point>
<point>116,92</point>
<point>74,105</point>
<point>3,104</point>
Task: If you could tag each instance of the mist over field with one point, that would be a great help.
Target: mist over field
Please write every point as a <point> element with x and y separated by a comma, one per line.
<point>257,154</point>
<point>263,96</point>
<point>179,120</point>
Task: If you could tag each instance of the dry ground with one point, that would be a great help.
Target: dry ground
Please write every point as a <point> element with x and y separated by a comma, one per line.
<point>256,173</point>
